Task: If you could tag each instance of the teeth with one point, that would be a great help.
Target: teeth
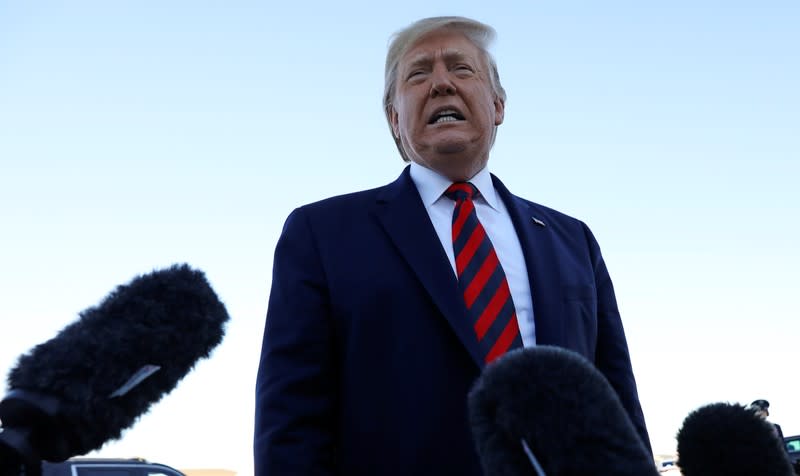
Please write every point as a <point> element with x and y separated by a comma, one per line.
<point>446,115</point>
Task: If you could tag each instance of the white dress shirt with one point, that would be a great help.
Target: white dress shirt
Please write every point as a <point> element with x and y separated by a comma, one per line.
<point>494,217</point>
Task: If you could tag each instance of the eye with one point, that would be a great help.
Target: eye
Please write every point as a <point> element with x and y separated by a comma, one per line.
<point>416,75</point>
<point>463,69</point>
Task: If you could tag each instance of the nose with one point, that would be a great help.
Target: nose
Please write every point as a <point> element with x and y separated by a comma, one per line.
<point>441,83</point>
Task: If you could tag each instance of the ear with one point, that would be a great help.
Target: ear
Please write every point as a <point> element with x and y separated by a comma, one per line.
<point>499,111</point>
<point>391,113</point>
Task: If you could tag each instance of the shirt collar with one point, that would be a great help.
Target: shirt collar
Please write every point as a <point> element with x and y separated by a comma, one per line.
<point>431,185</point>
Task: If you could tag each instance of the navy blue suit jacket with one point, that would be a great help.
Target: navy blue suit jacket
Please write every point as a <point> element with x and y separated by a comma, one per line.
<point>368,355</point>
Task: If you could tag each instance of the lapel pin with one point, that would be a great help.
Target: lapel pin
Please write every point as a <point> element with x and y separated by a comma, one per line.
<point>538,221</point>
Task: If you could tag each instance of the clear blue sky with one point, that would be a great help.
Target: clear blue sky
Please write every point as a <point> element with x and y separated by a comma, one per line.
<point>134,135</point>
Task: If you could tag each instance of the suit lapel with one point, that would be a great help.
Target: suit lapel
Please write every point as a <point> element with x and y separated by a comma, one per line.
<point>536,238</point>
<point>402,214</point>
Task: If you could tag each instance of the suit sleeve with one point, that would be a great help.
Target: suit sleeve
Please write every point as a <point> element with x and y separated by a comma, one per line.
<point>612,356</point>
<point>779,431</point>
<point>295,388</point>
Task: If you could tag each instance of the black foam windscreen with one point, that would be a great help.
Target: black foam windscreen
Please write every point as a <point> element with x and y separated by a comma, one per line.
<point>562,408</point>
<point>731,440</point>
<point>98,375</point>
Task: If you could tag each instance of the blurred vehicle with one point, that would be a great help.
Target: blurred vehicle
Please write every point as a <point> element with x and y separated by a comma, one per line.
<point>793,448</point>
<point>108,467</point>
<point>669,467</point>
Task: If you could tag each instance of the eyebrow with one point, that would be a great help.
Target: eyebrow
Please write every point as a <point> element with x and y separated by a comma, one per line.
<point>450,55</point>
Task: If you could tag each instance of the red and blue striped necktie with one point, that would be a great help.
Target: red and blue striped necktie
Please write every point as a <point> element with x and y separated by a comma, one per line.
<point>481,277</point>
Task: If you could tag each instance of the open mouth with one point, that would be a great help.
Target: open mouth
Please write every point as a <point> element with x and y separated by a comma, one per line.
<point>445,115</point>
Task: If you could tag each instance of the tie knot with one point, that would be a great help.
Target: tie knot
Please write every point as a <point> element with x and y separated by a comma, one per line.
<point>461,191</point>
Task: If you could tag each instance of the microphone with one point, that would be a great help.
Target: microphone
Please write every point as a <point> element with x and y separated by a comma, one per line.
<point>548,411</point>
<point>731,440</point>
<point>99,374</point>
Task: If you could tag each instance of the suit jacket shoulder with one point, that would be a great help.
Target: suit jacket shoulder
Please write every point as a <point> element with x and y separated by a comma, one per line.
<point>531,215</point>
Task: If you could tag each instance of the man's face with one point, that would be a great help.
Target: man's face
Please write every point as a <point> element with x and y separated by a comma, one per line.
<point>444,109</point>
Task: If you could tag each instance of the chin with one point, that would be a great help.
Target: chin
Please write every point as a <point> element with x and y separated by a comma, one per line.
<point>457,166</point>
<point>451,148</point>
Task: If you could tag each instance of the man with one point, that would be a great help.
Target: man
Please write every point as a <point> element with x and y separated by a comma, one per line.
<point>761,408</point>
<point>382,312</point>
